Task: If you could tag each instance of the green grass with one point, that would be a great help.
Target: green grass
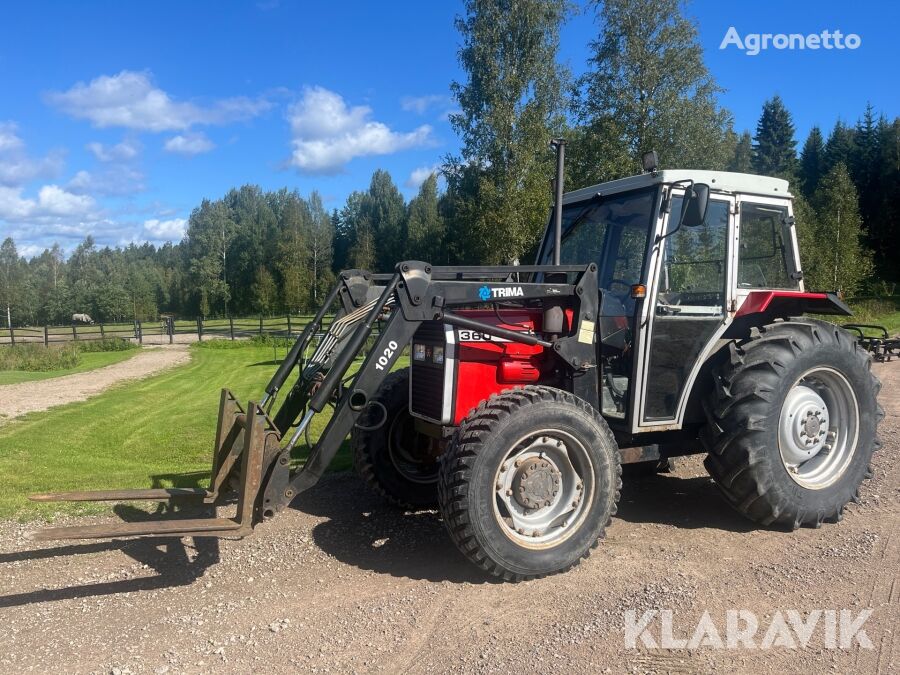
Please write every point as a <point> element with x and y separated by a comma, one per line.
<point>155,432</point>
<point>88,361</point>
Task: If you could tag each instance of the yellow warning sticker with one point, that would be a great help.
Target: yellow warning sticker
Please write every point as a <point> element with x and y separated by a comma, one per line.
<point>586,332</point>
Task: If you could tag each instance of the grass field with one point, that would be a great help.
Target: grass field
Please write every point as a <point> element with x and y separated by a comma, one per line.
<point>155,432</point>
<point>88,361</point>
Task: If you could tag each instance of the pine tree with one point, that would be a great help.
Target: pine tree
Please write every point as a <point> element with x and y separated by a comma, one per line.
<point>812,162</point>
<point>774,152</point>
<point>838,147</point>
<point>742,162</point>
<point>843,261</point>
<point>426,227</point>
<point>511,105</point>
<point>648,89</point>
<point>384,212</point>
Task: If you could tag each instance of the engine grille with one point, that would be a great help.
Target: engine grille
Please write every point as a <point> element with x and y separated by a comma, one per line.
<point>426,376</point>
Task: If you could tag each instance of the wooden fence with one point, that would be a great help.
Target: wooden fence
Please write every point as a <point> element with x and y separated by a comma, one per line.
<point>165,330</point>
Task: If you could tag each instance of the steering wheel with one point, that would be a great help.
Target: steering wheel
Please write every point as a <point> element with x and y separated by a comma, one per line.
<point>620,282</point>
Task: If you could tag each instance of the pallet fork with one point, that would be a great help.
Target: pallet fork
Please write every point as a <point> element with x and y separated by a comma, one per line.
<point>250,449</point>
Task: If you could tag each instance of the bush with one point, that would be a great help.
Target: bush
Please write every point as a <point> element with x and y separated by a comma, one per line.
<point>38,358</point>
<point>272,341</point>
<point>105,345</point>
<point>218,343</point>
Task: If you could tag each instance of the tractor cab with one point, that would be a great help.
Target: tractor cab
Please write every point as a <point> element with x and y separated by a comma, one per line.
<point>678,254</point>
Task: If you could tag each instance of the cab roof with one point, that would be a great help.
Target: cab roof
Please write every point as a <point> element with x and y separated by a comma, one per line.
<point>718,181</point>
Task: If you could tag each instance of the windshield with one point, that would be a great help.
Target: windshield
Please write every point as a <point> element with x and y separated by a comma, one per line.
<point>609,231</point>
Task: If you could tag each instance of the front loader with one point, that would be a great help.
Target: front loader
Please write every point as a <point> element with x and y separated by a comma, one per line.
<point>660,319</point>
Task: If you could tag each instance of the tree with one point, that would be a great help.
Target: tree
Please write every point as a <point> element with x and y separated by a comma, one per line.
<point>209,233</point>
<point>10,277</point>
<point>648,89</point>
<point>742,162</point>
<point>321,235</point>
<point>425,225</point>
<point>843,262</point>
<point>812,162</point>
<point>774,149</point>
<point>265,293</point>
<point>292,259</point>
<point>839,147</point>
<point>384,211</point>
<point>510,107</point>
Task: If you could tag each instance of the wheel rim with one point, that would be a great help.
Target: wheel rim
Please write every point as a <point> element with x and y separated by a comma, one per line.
<point>542,489</point>
<point>818,428</point>
<point>408,451</point>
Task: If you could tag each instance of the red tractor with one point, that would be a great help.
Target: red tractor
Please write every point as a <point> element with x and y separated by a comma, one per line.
<point>660,319</point>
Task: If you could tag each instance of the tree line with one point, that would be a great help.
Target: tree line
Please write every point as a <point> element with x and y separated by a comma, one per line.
<point>646,87</point>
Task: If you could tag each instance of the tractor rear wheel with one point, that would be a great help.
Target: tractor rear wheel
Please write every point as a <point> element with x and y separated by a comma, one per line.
<point>397,461</point>
<point>791,423</point>
<point>529,482</point>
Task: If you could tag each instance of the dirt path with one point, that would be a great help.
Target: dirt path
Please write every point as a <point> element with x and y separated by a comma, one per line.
<point>26,397</point>
<point>341,583</point>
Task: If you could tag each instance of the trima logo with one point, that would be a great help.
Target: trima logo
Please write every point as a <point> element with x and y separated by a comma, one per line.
<point>486,293</point>
<point>753,43</point>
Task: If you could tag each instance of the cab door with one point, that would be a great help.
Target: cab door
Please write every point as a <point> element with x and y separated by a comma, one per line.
<point>689,298</point>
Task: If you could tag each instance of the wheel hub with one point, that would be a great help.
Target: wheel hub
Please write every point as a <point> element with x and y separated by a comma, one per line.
<point>535,484</point>
<point>804,423</point>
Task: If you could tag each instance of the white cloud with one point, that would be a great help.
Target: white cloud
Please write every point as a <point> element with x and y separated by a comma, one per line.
<point>421,104</point>
<point>52,202</point>
<point>418,175</point>
<point>9,139</point>
<point>130,100</point>
<point>327,134</point>
<point>120,152</point>
<point>116,181</point>
<point>189,144</point>
<point>165,230</point>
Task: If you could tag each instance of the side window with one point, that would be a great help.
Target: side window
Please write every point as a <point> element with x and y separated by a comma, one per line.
<point>765,256</point>
<point>695,264</point>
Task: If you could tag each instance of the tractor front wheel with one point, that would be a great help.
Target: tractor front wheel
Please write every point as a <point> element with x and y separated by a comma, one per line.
<point>792,424</point>
<point>529,482</point>
<point>397,461</point>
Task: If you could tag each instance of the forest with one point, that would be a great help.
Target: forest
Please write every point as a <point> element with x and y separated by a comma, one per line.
<point>251,252</point>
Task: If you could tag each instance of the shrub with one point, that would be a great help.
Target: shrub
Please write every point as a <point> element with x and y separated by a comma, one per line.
<point>38,358</point>
<point>106,345</point>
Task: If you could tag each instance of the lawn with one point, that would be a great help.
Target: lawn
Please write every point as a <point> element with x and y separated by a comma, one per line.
<point>87,361</point>
<point>155,432</point>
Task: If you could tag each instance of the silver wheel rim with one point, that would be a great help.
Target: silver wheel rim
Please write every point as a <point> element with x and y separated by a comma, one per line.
<point>818,428</point>
<point>542,489</point>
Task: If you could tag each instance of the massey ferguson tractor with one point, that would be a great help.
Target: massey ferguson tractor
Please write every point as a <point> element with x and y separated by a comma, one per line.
<point>663,316</point>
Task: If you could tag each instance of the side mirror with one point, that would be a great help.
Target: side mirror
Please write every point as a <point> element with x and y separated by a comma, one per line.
<point>693,208</point>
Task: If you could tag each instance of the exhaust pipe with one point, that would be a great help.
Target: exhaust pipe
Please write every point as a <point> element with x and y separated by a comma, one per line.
<point>558,144</point>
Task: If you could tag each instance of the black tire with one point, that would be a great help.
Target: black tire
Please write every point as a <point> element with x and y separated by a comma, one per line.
<point>468,496</point>
<point>744,415</point>
<point>408,478</point>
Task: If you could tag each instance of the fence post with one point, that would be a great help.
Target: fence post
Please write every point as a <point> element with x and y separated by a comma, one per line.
<point>102,332</point>
<point>74,332</point>
<point>170,327</point>
<point>231,327</point>
<point>140,333</point>
<point>46,337</point>
<point>199,329</point>
<point>289,325</point>
<point>260,324</point>
<point>12,336</point>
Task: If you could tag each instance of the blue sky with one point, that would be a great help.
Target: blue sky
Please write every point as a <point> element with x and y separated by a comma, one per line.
<point>117,118</point>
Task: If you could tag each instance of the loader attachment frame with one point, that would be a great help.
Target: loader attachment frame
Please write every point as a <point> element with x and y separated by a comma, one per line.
<point>415,292</point>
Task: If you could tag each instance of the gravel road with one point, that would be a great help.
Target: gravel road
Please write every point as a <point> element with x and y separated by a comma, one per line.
<point>26,397</point>
<point>341,583</point>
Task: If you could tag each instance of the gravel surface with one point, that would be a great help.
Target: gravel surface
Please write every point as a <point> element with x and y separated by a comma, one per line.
<point>341,583</point>
<point>26,397</point>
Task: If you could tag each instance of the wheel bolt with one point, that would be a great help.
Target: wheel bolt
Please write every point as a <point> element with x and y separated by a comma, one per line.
<point>509,492</point>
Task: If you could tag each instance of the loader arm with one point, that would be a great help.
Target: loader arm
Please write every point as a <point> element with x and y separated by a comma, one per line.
<point>254,449</point>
